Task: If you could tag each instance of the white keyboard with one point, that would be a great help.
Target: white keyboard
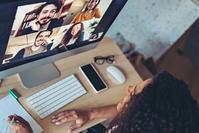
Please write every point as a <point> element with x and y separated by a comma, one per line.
<point>56,96</point>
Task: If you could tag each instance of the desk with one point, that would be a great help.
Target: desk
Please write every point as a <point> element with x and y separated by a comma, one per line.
<point>68,66</point>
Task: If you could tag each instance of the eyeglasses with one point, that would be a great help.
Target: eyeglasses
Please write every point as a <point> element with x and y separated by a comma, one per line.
<point>108,59</point>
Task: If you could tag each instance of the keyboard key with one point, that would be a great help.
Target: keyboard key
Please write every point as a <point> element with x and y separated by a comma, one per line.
<point>56,96</point>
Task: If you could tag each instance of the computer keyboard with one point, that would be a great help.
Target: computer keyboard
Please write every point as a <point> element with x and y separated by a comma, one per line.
<point>56,96</point>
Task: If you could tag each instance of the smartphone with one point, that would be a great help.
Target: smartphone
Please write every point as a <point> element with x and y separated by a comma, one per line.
<point>93,77</point>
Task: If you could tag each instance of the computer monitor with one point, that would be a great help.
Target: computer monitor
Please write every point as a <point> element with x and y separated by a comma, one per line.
<point>35,33</point>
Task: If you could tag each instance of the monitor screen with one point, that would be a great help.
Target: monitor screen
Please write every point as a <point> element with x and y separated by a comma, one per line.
<point>35,29</point>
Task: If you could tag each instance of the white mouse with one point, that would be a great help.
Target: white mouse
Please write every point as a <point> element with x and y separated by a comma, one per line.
<point>116,75</point>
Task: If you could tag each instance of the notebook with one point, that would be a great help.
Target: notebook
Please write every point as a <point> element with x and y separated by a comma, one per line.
<point>10,106</point>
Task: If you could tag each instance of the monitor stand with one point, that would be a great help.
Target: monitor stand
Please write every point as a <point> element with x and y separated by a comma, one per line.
<point>37,76</point>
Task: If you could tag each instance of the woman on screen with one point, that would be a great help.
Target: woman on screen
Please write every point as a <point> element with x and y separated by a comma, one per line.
<point>91,11</point>
<point>74,35</point>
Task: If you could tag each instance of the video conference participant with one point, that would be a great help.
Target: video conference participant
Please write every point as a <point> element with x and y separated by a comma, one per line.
<point>45,19</point>
<point>160,105</point>
<point>40,45</point>
<point>91,11</point>
<point>74,35</point>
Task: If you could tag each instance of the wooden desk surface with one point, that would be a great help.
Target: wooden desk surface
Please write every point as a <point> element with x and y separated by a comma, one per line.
<point>71,65</point>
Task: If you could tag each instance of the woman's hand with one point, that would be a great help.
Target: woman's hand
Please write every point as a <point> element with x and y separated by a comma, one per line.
<point>18,125</point>
<point>80,117</point>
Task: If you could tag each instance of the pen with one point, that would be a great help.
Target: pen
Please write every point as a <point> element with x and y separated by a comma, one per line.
<point>11,92</point>
<point>13,120</point>
<point>1,81</point>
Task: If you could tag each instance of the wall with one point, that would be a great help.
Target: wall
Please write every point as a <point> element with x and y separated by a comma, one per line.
<point>154,25</point>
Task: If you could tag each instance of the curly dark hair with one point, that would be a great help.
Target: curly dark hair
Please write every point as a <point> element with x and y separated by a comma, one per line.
<point>164,106</point>
<point>38,11</point>
<point>42,32</point>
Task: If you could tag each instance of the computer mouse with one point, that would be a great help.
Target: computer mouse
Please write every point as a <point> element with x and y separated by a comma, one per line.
<point>116,75</point>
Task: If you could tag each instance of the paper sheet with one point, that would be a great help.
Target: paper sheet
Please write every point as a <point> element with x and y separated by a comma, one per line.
<point>10,106</point>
